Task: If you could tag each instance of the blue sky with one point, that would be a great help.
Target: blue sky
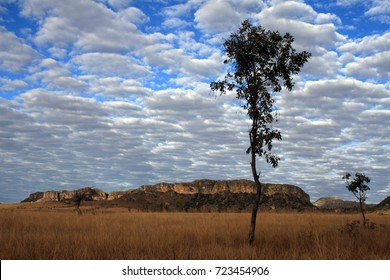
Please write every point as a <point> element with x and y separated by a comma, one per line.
<point>115,94</point>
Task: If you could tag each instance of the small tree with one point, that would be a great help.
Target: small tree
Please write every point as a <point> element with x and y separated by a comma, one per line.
<point>263,62</point>
<point>77,199</point>
<point>358,187</point>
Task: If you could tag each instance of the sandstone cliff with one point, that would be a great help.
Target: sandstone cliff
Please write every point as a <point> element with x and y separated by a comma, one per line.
<point>233,186</point>
<point>200,195</point>
<point>335,204</point>
<point>33,197</point>
<point>384,204</point>
<point>213,195</point>
<point>87,194</point>
<point>204,187</point>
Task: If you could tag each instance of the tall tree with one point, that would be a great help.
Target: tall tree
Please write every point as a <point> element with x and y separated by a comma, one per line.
<point>358,186</point>
<point>263,62</point>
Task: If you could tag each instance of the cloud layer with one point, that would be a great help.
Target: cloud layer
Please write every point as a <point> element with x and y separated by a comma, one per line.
<point>115,94</point>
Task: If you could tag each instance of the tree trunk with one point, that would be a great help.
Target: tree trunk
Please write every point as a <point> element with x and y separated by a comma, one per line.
<point>77,204</point>
<point>254,213</point>
<point>256,176</point>
<point>361,209</point>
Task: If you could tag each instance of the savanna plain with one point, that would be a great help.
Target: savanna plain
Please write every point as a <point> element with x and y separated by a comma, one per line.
<point>117,233</point>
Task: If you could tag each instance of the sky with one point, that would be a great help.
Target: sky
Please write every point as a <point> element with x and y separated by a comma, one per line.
<point>115,94</point>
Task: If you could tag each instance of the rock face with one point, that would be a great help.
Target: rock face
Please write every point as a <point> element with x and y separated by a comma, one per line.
<point>199,195</point>
<point>384,204</point>
<point>115,195</point>
<point>333,203</point>
<point>204,187</point>
<point>212,195</point>
<point>233,186</point>
<point>34,197</point>
<point>87,194</point>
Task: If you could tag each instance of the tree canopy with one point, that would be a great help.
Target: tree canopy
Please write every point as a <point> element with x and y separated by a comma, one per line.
<point>263,62</point>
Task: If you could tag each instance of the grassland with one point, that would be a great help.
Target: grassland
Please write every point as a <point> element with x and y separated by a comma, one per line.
<point>50,233</point>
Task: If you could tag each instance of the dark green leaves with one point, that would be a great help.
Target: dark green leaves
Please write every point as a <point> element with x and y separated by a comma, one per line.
<point>358,186</point>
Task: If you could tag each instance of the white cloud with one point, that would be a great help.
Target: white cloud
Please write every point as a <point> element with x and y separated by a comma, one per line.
<point>326,65</point>
<point>15,55</point>
<point>119,4</point>
<point>208,67</point>
<point>379,10</point>
<point>372,67</point>
<point>368,44</point>
<point>175,23</point>
<point>134,15</point>
<point>302,23</point>
<point>179,10</point>
<point>58,32</point>
<point>375,9</point>
<point>117,88</point>
<point>85,25</point>
<point>293,10</point>
<point>108,64</point>
<point>329,127</point>
<point>11,85</point>
<point>367,57</point>
<point>217,16</point>
<point>56,76</point>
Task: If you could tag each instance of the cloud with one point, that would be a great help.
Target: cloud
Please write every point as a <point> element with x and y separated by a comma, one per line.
<point>169,135</point>
<point>330,125</point>
<point>15,55</point>
<point>119,4</point>
<point>108,64</point>
<point>56,76</point>
<point>179,10</point>
<point>134,15</point>
<point>175,23</point>
<point>373,67</point>
<point>117,88</point>
<point>303,24</point>
<point>12,85</point>
<point>216,16</point>
<point>380,10</point>
<point>375,9</point>
<point>85,25</point>
<point>326,65</point>
<point>367,57</point>
<point>367,45</point>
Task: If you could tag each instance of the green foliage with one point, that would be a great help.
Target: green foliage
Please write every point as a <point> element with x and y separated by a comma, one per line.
<point>263,61</point>
<point>358,186</point>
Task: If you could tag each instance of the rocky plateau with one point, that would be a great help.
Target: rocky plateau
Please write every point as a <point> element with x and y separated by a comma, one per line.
<point>202,195</point>
<point>199,195</point>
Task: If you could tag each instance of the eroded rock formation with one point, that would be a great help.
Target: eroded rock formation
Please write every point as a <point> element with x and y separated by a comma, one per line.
<point>87,194</point>
<point>201,195</point>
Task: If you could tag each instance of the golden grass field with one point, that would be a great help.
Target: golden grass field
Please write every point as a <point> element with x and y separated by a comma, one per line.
<point>55,233</point>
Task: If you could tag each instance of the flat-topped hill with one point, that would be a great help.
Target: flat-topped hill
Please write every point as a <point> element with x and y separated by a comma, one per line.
<point>202,195</point>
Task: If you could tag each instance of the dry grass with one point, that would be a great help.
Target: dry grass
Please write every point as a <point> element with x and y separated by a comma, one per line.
<point>118,234</point>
